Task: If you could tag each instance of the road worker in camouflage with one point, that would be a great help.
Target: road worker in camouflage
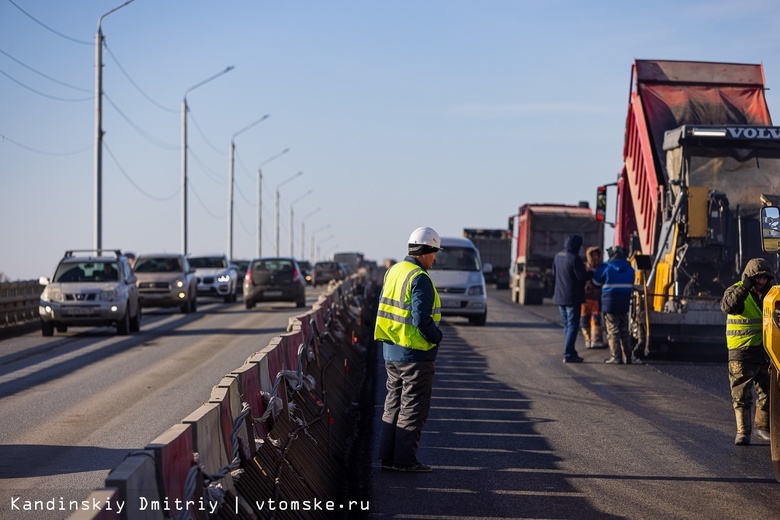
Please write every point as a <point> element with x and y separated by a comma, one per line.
<point>748,362</point>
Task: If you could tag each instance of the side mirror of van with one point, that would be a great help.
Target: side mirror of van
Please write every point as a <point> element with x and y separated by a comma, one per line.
<point>487,268</point>
<point>43,280</point>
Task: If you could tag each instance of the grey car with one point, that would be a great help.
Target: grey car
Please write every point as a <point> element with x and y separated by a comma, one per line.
<point>274,279</point>
<point>166,280</point>
<point>90,288</point>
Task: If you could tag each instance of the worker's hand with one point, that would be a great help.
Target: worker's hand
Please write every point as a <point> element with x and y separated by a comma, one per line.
<point>747,282</point>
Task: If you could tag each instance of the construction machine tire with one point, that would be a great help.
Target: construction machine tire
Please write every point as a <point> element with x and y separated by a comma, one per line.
<point>774,419</point>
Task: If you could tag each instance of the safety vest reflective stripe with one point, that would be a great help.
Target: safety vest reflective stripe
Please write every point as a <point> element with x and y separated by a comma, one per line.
<point>745,330</point>
<point>618,286</point>
<point>394,317</point>
<point>743,321</point>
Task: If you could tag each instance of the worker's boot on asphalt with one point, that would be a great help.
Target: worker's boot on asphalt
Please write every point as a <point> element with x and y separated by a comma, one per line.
<point>743,427</point>
<point>586,335</point>
<point>614,350</point>
<point>597,338</point>
<point>762,424</point>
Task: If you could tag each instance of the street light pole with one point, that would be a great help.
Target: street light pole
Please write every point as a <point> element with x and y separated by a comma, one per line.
<point>303,229</point>
<point>230,182</point>
<point>260,201</point>
<point>319,247</point>
<point>98,194</point>
<point>292,226</point>
<point>184,109</point>
<point>313,257</point>
<point>276,251</point>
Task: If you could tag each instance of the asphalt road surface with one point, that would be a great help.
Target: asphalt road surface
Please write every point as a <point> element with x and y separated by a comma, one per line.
<point>515,433</point>
<point>74,405</point>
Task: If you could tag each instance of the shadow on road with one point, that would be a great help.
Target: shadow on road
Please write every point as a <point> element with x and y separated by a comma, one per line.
<point>488,459</point>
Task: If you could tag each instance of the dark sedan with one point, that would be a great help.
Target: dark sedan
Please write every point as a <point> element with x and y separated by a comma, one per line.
<point>274,280</point>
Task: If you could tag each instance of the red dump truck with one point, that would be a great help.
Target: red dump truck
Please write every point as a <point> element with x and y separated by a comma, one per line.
<point>541,232</point>
<point>699,153</point>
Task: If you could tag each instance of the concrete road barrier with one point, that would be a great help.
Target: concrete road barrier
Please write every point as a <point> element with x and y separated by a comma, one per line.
<point>274,439</point>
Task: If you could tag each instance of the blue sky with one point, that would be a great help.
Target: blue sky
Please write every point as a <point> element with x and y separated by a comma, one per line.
<point>442,113</point>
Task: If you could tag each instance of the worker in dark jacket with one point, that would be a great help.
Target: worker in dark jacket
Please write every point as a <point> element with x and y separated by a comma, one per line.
<point>570,275</point>
<point>748,362</point>
<point>616,280</point>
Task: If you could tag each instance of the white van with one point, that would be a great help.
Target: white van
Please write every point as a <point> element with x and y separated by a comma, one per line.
<point>457,274</point>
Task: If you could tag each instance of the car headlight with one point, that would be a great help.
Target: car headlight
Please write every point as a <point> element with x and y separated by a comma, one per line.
<point>223,278</point>
<point>109,294</point>
<point>179,283</point>
<point>475,290</point>
<point>52,295</point>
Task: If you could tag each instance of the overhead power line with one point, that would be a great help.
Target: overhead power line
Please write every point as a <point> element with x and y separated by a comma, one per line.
<point>134,84</point>
<point>149,137</point>
<point>194,192</point>
<point>31,17</point>
<point>200,131</point>
<point>56,98</point>
<point>43,152</point>
<point>55,80</point>
<point>136,186</point>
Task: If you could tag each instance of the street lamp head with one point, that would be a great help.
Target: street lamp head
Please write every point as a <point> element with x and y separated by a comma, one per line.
<point>274,157</point>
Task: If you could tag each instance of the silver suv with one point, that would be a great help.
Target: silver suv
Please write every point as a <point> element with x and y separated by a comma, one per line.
<point>91,288</point>
<point>166,280</point>
<point>216,277</point>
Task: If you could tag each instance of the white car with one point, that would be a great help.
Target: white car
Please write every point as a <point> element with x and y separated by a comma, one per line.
<point>90,290</point>
<point>216,276</point>
<point>457,274</point>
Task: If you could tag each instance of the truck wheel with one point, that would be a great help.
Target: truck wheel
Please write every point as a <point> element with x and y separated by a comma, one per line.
<point>47,328</point>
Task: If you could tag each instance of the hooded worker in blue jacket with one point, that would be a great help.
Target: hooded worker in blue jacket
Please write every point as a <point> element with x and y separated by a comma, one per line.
<point>570,275</point>
<point>616,279</point>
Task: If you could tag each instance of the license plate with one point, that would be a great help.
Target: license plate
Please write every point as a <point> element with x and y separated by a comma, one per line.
<point>272,293</point>
<point>450,303</point>
<point>79,312</point>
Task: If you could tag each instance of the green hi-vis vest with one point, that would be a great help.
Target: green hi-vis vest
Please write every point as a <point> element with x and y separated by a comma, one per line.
<point>745,330</point>
<point>394,317</point>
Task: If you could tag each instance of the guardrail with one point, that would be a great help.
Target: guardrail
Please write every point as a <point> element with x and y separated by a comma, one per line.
<point>274,439</point>
<point>19,303</point>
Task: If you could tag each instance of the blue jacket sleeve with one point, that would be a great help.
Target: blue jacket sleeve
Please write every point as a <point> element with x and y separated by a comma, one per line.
<point>422,308</point>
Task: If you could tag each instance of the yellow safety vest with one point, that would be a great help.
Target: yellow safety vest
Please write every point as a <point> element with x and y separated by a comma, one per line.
<point>745,330</point>
<point>394,317</point>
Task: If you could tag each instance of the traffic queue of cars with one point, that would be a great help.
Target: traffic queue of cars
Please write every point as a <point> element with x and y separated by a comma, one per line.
<point>93,288</point>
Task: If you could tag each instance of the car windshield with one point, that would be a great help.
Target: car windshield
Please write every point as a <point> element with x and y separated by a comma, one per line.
<point>157,265</point>
<point>207,262</point>
<point>273,265</point>
<point>456,259</point>
<point>75,272</point>
<point>325,266</point>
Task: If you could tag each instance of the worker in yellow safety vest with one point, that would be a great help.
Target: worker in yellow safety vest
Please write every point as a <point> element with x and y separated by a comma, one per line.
<point>748,362</point>
<point>407,325</point>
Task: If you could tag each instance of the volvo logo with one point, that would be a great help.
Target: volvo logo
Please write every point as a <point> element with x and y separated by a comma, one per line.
<point>771,132</point>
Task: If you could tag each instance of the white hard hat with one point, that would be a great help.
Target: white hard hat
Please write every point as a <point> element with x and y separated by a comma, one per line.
<point>424,240</point>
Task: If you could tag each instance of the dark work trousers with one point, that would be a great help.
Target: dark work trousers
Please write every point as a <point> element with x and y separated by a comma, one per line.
<point>407,404</point>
